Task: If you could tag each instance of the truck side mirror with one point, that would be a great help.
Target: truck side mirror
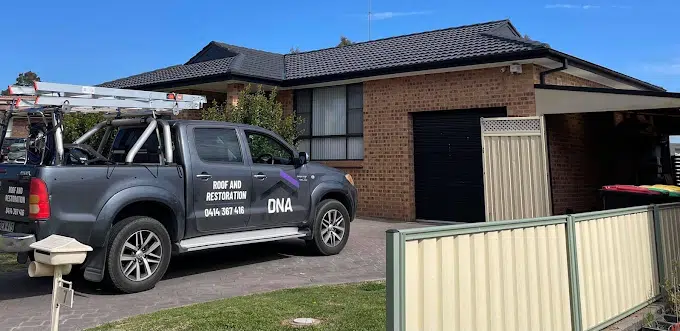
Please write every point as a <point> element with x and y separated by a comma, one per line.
<point>303,158</point>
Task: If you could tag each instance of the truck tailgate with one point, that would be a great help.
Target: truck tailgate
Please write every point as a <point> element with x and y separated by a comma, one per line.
<point>15,180</point>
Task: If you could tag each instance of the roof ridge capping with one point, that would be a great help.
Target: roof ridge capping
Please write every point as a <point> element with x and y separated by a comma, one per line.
<point>408,35</point>
<point>235,48</point>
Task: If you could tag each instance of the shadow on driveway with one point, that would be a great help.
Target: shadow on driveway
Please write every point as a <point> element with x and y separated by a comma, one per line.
<point>17,284</point>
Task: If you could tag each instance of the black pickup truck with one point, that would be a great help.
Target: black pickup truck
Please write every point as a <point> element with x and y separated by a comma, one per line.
<point>165,187</point>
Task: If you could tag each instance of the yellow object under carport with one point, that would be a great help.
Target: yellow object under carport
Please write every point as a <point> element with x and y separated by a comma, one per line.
<point>671,190</point>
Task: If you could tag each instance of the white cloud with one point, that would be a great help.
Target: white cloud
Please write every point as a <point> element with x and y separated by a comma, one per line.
<point>567,6</point>
<point>670,68</point>
<point>583,6</point>
<point>391,14</point>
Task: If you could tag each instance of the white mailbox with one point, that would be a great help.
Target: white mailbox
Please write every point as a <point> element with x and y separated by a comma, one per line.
<point>60,250</point>
<point>54,257</point>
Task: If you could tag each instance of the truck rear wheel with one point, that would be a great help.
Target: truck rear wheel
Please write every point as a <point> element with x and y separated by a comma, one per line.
<point>330,230</point>
<point>138,254</point>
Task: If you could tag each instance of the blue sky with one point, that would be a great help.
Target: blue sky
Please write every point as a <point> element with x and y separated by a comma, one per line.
<point>89,42</point>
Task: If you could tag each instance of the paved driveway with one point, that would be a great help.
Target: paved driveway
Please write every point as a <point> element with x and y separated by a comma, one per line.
<point>199,277</point>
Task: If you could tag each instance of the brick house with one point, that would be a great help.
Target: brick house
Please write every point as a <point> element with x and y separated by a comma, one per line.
<point>18,127</point>
<point>402,114</point>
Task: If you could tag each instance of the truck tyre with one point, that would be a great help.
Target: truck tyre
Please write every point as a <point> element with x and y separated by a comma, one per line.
<point>330,229</point>
<point>138,254</point>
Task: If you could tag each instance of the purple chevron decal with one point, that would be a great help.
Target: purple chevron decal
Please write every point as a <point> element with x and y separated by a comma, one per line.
<point>289,179</point>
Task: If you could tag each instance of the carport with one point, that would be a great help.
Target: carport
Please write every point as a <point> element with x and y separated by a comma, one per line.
<point>581,139</point>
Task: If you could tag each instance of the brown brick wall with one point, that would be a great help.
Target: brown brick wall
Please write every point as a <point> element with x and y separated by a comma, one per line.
<point>20,127</point>
<point>385,178</point>
<point>572,151</point>
<point>285,97</point>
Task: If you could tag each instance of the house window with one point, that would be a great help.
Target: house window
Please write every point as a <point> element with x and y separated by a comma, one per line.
<point>333,126</point>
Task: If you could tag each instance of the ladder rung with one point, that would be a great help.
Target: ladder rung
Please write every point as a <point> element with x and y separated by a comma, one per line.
<point>21,90</point>
<point>105,91</point>
<point>83,102</point>
<point>50,95</point>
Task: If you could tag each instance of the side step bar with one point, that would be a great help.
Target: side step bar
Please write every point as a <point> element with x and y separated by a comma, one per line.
<point>239,238</point>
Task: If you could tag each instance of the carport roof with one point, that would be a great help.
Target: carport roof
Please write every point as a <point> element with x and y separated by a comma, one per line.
<point>552,99</point>
<point>481,43</point>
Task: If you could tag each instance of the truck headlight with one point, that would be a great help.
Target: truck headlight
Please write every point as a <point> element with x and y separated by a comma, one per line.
<point>349,179</point>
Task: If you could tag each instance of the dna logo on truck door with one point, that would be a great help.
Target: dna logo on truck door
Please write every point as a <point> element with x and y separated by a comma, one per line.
<point>282,205</point>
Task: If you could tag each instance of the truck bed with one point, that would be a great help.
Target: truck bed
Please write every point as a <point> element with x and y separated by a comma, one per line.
<point>78,195</point>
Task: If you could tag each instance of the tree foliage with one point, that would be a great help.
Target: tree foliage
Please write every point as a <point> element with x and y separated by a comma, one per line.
<point>256,108</point>
<point>344,41</point>
<point>294,50</point>
<point>24,79</point>
<point>76,124</point>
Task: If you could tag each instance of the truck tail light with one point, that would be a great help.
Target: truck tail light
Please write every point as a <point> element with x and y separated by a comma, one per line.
<point>38,200</point>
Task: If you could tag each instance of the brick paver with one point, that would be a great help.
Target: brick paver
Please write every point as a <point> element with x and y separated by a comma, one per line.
<point>200,277</point>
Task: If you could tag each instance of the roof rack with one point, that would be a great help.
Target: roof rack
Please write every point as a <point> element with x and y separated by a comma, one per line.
<point>88,99</point>
<point>55,100</point>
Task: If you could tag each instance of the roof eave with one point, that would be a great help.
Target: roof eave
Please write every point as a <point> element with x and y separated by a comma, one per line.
<point>663,94</point>
<point>206,79</point>
<point>486,59</point>
<point>609,73</point>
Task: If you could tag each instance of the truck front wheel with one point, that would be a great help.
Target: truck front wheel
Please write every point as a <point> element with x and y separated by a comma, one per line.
<point>330,230</point>
<point>138,254</point>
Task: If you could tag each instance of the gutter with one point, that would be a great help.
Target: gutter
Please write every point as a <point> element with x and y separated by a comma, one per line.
<point>592,67</point>
<point>543,74</point>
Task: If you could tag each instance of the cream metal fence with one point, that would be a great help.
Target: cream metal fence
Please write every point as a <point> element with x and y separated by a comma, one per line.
<point>617,263</point>
<point>669,229</point>
<point>575,272</point>
<point>515,151</point>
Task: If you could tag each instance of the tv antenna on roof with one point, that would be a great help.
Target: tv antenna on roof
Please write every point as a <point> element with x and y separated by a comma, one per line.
<point>369,19</point>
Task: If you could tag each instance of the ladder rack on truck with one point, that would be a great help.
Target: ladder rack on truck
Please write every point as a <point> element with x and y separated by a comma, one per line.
<point>54,100</point>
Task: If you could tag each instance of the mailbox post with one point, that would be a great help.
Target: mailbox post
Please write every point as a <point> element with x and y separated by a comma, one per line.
<point>55,256</point>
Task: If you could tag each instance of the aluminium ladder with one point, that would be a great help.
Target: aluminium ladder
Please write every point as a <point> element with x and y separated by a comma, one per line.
<point>84,98</point>
<point>57,99</point>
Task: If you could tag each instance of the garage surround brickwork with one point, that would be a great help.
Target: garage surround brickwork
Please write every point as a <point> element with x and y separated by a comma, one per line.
<point>385,177</point>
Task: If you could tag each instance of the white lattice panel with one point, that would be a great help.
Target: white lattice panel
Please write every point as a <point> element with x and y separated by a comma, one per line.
<point>499,125</point>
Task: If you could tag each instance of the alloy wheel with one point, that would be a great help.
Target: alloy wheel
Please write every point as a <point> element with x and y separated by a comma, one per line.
<point>141,255</point>
<point>332,228</point>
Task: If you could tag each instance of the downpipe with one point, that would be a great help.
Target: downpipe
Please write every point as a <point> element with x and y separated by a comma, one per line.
<point>543,74</point>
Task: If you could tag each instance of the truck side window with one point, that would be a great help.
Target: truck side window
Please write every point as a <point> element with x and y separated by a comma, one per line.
<point>267,150</point>
<point>218,145</point>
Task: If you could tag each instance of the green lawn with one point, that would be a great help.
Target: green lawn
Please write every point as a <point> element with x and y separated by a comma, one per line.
<point>8,262</point>
<point>339,307</point>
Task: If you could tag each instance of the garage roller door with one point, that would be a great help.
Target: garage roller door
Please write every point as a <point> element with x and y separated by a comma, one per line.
<point>449,182</point>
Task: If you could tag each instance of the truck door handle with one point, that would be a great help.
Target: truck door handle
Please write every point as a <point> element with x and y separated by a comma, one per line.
<point>204,176</point>
<point>260,176</point>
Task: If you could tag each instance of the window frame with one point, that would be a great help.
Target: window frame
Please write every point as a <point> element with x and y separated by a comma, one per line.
<point>238,138</point>
<point>309,136</point>
<point>277,140</point>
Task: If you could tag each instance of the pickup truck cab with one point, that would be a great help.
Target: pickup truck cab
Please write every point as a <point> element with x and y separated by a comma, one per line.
<point>188,186</point>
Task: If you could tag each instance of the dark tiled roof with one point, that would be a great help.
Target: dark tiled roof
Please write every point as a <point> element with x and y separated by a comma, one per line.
<point>174,73</point>
<point>441,45</point>
<point>257,63</point>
